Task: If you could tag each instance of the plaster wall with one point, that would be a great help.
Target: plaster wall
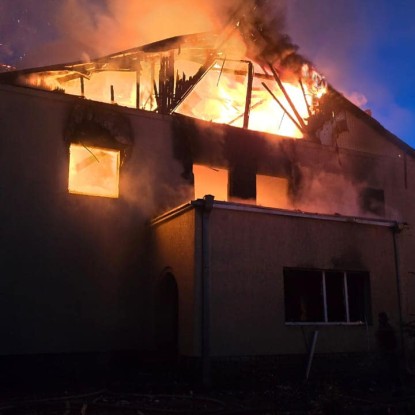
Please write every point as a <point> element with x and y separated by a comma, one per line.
<point>320,178</point>
<point>249,251</point>
<point>361,136</point>
<point>175,248</point>
<point>75,268</point>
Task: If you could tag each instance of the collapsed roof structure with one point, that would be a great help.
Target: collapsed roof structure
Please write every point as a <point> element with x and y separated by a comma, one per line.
<point>256,75</point>
<point>248,75</point>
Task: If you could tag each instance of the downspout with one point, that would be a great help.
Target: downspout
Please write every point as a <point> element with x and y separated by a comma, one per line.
<point>395,230</point>
<point>205,303</point>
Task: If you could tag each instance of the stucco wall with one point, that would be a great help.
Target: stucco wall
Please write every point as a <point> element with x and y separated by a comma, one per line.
<point>175,247</point>
<point>406,238</point>
<point>320,178</point>
<point>75,274</point>
<point>248,253</point>
<point>362,136</point>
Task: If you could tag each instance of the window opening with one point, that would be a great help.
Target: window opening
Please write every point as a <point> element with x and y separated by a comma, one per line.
<point>242,183</point>
<point>210,181</point>
<point>271,191</point>
<point>93,171</point>
<point>326,296</point>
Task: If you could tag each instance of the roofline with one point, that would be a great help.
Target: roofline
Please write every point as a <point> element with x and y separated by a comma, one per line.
<point>372,122</point>
<point>392,224</point>
<point>169,43</point>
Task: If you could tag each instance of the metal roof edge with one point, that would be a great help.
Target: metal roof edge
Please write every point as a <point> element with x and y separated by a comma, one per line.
<point>276,211</point>
<point>172,213</point>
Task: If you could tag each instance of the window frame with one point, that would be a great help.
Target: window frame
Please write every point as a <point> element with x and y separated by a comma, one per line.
<point>83,189</point>
<point>347,322</point>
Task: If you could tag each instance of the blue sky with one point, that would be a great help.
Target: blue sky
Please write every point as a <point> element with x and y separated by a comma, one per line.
<point>365,48</point>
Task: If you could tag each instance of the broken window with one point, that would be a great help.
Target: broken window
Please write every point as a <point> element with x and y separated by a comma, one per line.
<point>315,296</point>
<point>239,185</point>
<point>93,171</point>
<point>271,191</point>
<point>242,183</point>
<point>210,181</point>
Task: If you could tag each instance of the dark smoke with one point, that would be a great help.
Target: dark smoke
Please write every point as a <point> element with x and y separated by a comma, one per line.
<point>262,24</point>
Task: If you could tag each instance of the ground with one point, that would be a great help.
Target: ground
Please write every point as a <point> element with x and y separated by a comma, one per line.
<point>233,389</point>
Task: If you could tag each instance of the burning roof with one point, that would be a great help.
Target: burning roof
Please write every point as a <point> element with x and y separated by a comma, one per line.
<point>243,76</point>
<point>248,75</point>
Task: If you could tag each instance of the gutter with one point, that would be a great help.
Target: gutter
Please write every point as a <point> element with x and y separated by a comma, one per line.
<point>274,211</point>
<point>297,213</point>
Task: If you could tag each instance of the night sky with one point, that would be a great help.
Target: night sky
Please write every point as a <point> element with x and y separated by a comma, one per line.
<point>365,48</point>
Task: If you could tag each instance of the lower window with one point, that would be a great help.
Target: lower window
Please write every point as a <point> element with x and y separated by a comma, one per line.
<point>326,296</point>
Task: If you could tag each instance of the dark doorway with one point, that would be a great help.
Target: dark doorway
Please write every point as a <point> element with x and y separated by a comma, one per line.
<point>166,316</point>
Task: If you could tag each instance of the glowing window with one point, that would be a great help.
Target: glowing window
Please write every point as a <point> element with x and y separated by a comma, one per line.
<point>93,171</point>
<point>271,191</point>
<point>209,180</point>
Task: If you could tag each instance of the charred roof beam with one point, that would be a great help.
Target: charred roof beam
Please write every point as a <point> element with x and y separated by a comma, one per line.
<point>287,97</point>
<point>296,123</point>
<point>248,93</point>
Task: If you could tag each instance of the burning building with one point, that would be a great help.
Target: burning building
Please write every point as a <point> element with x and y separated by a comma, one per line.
<point>209,195</point>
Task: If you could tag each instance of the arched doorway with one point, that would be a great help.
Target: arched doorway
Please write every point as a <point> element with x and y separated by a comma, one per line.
<point>166,315</point>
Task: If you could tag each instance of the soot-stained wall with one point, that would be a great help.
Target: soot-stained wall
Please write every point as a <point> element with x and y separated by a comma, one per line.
<point>79,270</point>
<point>321,178</point>
<point>77,277</point>
<point>249,251</point>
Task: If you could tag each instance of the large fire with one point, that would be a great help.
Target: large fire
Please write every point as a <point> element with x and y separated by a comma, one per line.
<point>245,77</point>
<point>218,78</point>
<point>221,97</point>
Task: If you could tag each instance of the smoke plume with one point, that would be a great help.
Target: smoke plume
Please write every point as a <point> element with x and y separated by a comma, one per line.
<point>115,25</point>
<point>86,29</point>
